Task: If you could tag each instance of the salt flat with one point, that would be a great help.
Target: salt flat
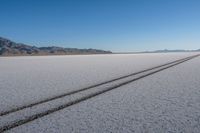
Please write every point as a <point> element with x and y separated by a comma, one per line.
<point>167,101</point>
<point>24,80</point>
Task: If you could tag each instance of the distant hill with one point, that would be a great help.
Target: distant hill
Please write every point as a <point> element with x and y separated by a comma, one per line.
<point>168,51</point>
<point>159,51</point>
<point>10,48</point>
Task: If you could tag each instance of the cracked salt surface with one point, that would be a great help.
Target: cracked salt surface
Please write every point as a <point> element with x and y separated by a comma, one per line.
<point>164,102</point>
<point>24,80</point>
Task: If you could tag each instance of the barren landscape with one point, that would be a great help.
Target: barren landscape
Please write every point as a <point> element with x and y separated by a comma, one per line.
<point>100,93</point>
<point>99,66</point>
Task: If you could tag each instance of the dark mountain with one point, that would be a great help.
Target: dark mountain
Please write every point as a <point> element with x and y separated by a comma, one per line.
<point>10,48</point>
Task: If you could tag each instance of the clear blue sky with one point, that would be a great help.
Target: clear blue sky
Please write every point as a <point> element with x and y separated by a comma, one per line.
<point>117,25</point>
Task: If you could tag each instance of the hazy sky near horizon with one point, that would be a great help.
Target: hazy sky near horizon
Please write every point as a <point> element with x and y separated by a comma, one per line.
<point>117,25</point>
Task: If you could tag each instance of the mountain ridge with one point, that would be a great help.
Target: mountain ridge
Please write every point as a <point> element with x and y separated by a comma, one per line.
<point>11,48</point>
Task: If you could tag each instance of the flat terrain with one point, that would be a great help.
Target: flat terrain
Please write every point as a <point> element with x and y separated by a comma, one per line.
<point>167,101</point>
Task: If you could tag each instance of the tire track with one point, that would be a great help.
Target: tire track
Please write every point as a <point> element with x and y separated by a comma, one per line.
<point>142,74</point>
<point>83,89</point>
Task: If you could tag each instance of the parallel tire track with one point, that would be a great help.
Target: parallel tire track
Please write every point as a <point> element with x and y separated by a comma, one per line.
<point>78,100</point>
<point>83,89</point>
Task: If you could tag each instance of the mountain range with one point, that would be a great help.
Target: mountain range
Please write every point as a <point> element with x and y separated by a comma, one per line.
<point>11,48</point>
<point>168,51</point>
